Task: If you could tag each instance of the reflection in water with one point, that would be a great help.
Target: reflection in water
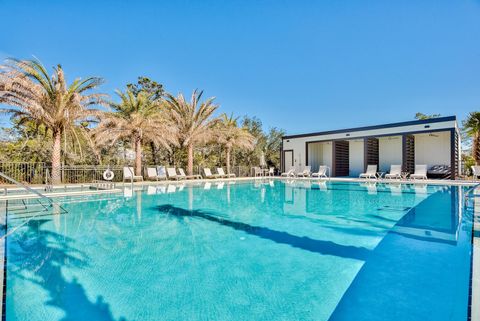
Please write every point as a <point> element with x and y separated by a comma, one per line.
<point>190,197</point>
<point>425,260</point>
<point>38,256</point>
<point>139,205</point>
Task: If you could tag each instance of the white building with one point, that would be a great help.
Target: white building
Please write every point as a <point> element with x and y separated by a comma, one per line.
<point>347,152</point>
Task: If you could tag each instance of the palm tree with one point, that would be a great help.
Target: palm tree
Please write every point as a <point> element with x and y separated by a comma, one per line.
<point>31,93</point>
<point>231,136</point>
<point>138,118</point>
<point>193,120</point>
<point>472,128</point>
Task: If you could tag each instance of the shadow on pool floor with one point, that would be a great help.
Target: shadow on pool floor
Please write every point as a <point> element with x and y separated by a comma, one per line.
<point>302,242</point>
<point>38,256</point>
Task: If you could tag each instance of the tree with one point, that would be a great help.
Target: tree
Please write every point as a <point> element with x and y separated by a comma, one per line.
<point>32,94</point>
<point>472,127</point>
<point>157,92</point>
<point>421,116</point>
<point>194,121</point>
<point>268,143</point>
<point>273,146</point>
<point>231,136</point>
<point>137,118</point>
<point>145,84</point>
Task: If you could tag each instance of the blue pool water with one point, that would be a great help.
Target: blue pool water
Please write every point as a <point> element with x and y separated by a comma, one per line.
<point>263,250</point>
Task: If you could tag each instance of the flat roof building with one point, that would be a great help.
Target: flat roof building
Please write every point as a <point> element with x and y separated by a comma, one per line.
<point>347,152</point>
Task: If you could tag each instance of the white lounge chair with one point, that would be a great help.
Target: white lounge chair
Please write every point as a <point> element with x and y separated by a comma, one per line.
<point>307,171</point>
<point>289,173</point>
<point>370,173</point>
<point>208,173</point>
<point>395,172</point>
<point>271,171</point>
<point>475,171</point>
<point>152,173</point>
<point>322,172</point>
<point>181,173</point>
<point>172,174</point>
<point>420,172</point>
<point>222,173</point>
<point>129,174</point>
<point>257,171</point>
<point>161,172</point>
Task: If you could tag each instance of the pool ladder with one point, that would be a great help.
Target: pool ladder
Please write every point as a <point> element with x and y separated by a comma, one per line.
<point>50,203</point>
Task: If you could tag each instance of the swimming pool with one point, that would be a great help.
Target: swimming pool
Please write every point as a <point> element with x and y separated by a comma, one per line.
<point>255,250</point>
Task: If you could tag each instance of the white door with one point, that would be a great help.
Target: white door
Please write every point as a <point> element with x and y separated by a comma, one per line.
<point>288,159</point>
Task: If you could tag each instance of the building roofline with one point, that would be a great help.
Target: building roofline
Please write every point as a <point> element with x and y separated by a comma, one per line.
<point>391,125</point>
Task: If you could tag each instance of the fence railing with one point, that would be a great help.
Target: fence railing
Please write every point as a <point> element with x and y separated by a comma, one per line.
<point>38,173</point>
<point>30,173</point>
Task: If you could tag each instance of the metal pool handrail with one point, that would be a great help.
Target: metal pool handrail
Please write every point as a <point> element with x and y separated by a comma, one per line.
<point>471,189</point>
<point>27,188</point>
<point>31,190</point>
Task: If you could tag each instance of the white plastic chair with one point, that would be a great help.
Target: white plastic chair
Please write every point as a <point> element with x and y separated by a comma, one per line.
<point>370,173</point>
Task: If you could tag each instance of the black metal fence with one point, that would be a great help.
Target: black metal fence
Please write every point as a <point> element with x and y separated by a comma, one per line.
<point>39,173</point>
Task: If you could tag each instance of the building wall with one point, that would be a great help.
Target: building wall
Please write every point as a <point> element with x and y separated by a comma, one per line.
<point>390,152</point>
<point>298,144</point>
<point>427,150</point>
<point>319,154</point>
<point>315,155</point>
<point>357,155</point>
<point>327,155</point>
<point>432,149</point>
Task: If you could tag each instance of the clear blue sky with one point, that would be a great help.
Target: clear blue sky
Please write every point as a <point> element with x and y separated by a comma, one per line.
<point>298,65</point>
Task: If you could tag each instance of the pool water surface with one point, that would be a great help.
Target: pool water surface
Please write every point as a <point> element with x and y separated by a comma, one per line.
<point>254,250</point>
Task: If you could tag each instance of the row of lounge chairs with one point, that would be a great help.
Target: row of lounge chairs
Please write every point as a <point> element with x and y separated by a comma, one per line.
<point>307,172</point>
<point>371,172</point>
<point>395,172</point>
<point>170,173</point>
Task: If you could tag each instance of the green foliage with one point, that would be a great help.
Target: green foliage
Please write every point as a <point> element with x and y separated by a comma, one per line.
<point>266,142</point>
<point>145,84</point>
<point>31,140</point>
<point>421,116</point>
<point>468,162</point>
<point>471,127</point>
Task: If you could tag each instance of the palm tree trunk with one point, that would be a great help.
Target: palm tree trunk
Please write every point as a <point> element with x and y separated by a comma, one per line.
<point>154,152</point>
<point>56,157</point>
<point>138,156</point>
<point>190,159</point>
<point>228,159</point>
<point>476,148</point>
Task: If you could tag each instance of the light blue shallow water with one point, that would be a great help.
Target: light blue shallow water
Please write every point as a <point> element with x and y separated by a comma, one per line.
<point>264,250</point>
